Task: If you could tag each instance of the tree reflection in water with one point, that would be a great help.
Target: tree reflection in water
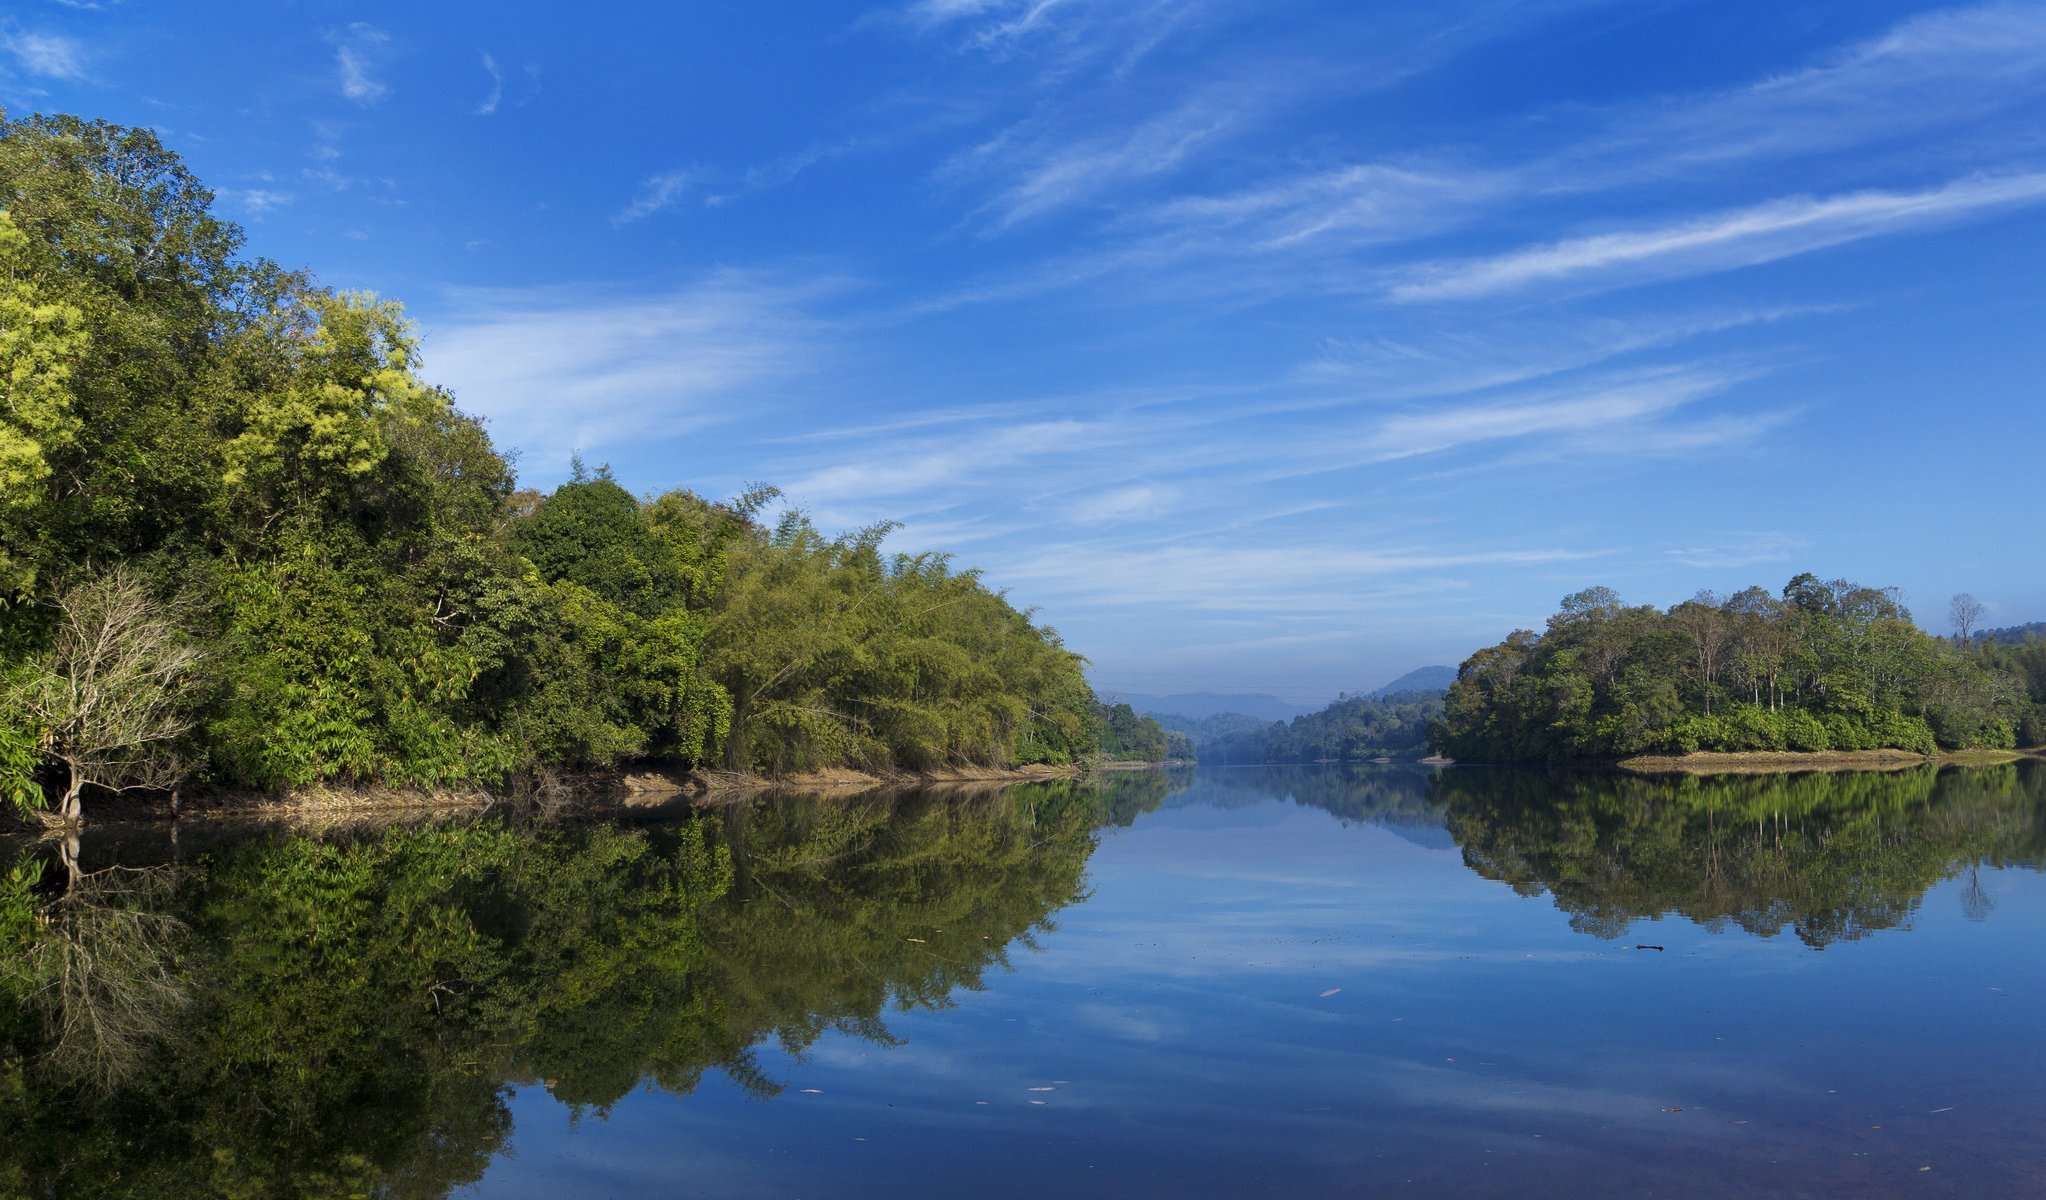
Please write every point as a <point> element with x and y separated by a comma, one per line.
<point>1829,857</point>
<point>347,1015</point>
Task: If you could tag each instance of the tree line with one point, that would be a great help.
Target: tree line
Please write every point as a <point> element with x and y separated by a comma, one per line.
<point>243,543</point>
<point>1822,665</point>
<point>1351,729</point>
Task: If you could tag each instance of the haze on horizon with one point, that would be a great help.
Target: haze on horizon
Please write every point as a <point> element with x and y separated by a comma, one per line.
<point>1264,347</point>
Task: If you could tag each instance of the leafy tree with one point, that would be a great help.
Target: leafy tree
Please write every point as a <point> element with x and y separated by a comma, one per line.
<point>379,603</point>
<point>1830,666</point>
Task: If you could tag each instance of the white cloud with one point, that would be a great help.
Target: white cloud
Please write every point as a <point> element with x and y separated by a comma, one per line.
<point>1300,580</point>
<point>1040,171</point>
<point>496,96</point>
<point>261,201</point>
<point>1433,361</point>
<point>560,370</point>
<point>1412,434</point>
<point>45,54</point>
<point>1131,503</point>
<point>1741,549</point>
<point>1307,230</point>
<point>1722,241</point>
<point>357,53</point>
<point>658,193</point>
<point>1941,67</point>
<point>1081,27</point>
<point>1369,202</point>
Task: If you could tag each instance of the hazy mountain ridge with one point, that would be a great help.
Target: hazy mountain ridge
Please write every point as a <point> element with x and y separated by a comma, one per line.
<point>1390,722</point>
<point>1194,706</point>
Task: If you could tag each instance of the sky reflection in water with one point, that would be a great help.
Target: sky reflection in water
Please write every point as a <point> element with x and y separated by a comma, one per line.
<point>1260,998</point>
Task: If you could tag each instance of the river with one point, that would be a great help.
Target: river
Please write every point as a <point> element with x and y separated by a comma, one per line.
<point>1328,981</point>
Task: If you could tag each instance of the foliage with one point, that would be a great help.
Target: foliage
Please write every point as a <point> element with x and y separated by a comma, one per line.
<point>833,653</point>
<point>1824,666</point>
<point>1352,729</point>
<point>1128,736</point>
<point>378,604</point>
<point>2020,656</point>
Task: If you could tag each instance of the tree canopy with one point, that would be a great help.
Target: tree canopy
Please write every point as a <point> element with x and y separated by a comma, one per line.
<point>1822,665</point>
<point>357,593</point>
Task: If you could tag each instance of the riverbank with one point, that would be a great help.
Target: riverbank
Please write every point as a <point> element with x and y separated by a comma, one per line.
<point>1764,762</point>
<point>633,789</point>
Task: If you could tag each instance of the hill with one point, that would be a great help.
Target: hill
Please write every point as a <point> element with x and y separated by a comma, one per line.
<point>1196,705</point>
<point>1353,729</point>
<point>1421,679</point>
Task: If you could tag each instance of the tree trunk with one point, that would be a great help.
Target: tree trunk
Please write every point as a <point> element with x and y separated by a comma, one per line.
<point>72,807</point>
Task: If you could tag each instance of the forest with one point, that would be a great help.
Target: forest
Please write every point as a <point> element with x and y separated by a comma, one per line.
<point>1821,666</point>
<point>1351,729</point>
<point>244,545</point>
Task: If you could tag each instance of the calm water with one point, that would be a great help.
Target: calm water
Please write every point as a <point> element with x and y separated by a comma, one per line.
<point>1313,982</point>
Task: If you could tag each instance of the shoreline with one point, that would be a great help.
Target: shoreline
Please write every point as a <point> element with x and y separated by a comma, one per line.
<point>621,790</point>
<point>1764,762</point>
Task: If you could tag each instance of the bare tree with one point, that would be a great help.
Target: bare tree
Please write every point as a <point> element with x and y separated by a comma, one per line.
<point>1964,610</point>
<point>1703,618</point>
<point>102,970</point>
<point>106,694</point>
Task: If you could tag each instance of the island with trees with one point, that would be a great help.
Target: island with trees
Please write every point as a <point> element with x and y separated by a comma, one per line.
<point>244,545</point>
<point>1821,667</point>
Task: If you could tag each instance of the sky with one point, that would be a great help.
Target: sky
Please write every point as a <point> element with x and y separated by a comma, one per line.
<point>1258,345</point>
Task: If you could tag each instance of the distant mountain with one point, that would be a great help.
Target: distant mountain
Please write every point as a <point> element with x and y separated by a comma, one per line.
<point>1421,679</point>
<point>2016,635</point>
<point>1353,729</point>
<point>1195,705</point>
<point>1204,730</point>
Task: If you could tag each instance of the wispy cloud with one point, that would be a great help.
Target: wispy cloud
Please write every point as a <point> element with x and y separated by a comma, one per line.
<point>1432,361</point>
<point>262,201</point>
<point>1123,504</point>
<point>556,370</point>
<point>46,55</point>
<point>1957,64</point>
<point>358,52</point>
<point>1331,226</point>
<point>1367,203</point>
<point>659,193</point>
<point>1247,578</point>
<point>1079,29</point>
<point>1628,403</point>
<point>1722,241</point>
<point>1038,171</point>
<point>1740,549</point>
<point>489,105</point>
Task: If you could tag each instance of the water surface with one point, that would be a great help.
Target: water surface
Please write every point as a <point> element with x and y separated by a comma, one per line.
<point>1238,982</point>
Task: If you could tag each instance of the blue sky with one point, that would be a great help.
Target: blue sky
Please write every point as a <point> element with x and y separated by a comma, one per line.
<point>1263,345</point>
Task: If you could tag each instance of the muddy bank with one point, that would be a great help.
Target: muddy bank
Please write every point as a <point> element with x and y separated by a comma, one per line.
<point>1763,762</point>
<point>325,804</point>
